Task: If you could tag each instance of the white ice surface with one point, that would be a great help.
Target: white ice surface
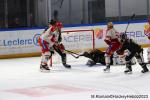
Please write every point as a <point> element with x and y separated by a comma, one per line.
<point>20,79</point>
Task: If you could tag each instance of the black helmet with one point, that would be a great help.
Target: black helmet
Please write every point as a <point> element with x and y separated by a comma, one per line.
<point>52,22</point>
<point>123,37</point>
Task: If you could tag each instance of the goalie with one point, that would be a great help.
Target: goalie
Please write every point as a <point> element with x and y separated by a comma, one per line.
<point>97,56</point>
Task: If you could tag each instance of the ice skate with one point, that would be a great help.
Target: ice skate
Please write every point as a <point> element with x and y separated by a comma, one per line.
<point>90,63</point>
<point>107,69</point>
<point>67,66</point>
<point>44,68</point>
<point>144,70</point>
<point>128,71</point>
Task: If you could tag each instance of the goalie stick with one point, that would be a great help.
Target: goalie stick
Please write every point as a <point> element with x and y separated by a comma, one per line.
<point>73,53</point>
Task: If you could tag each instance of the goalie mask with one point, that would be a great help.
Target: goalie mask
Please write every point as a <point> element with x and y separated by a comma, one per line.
<point>86,54</point>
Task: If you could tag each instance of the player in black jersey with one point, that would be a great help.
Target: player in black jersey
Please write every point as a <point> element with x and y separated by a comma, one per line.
<point>95,56</point>
<point>135,51</point>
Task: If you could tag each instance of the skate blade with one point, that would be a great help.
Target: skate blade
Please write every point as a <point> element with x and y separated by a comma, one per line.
<point>145,72</point>
<point>68,67</point>
<point>128,72</point>
<point>106,71</point>
<point>44,71</point>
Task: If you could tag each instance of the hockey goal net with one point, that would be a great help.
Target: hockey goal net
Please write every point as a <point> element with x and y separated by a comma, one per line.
<point>77,41</point>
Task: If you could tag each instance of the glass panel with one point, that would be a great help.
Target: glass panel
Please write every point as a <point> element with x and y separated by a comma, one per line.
<point>139,7</point>
<point>32,13</point>
<point>28,13</point>
<point>17,13</point>
<point>2,14</point>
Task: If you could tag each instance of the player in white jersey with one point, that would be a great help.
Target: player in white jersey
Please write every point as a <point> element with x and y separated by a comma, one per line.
<point>48,41</point>
<point>113,43</point>
<point>147,33</point>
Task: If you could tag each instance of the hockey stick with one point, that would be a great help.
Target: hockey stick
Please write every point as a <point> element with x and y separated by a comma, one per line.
<point>78,55</point>
<point>124,35</point>
<point>129,22</point>
<point>61,3</point>
<point>73,53</point>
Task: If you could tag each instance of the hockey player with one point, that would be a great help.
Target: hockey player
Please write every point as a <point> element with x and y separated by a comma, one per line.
<point>59,47</point>
<point>48,39</point>
<point>134,50</point>
<point>97,56</point>
<point>147,33</point>
<point>113,43</point>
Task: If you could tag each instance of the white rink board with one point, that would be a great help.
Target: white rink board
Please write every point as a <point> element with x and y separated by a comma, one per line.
<point>25,41</point>
<point>21,41</point>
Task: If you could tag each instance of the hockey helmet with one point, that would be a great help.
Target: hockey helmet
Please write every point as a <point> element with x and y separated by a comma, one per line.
<point>123,37</point>
<point>110,25</point>
<point>52,22</point>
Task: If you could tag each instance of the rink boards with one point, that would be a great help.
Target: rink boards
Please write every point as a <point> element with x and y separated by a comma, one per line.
<point>23,42</point>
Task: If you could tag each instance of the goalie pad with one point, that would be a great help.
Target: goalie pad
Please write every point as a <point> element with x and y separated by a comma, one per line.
<point>90,63</point>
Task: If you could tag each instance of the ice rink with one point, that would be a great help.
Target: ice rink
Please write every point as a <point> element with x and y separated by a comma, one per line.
<point>20,79</point>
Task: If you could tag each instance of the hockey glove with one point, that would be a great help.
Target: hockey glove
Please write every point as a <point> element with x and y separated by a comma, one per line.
<point>119,52</point>
<point>107,42</point>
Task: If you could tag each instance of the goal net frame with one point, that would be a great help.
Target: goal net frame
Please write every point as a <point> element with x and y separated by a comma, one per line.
<point>90,35</point>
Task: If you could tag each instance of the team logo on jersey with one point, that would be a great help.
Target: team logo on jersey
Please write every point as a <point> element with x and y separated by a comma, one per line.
<point>98,33</point>
<point>147,30</point>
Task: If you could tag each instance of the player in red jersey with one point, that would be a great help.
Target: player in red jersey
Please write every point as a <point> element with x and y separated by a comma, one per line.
<point>147,33</point>
<point>112,39</point>
<point>49,41</point>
